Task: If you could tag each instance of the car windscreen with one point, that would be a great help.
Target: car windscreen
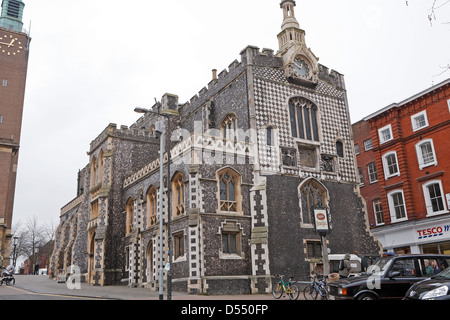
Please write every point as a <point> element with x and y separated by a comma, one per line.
<point>380,265</point>
<point>443,275</point>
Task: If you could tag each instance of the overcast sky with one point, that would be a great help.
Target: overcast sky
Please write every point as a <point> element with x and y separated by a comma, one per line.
<point>92,61</point>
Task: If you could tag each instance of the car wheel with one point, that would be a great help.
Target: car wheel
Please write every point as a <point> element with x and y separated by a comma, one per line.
<point>367,296</point>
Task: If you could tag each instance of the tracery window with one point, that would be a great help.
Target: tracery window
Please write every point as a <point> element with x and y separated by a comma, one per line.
<point>303,118</point>
<point>178,194</point>
<point>152,206</point>
<point>312,195</point>
<point>229,127</point>
<point>229,190</point>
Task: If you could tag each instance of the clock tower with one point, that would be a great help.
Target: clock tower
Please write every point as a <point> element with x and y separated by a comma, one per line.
<point>300,63</point>
<point>14,49</point>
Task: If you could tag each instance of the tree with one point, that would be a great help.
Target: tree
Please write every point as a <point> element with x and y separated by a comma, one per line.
<point>31,235</point>
<point>437,5</point>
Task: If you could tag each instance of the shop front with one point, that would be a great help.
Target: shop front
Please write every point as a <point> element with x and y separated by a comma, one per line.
<point>430,235</point>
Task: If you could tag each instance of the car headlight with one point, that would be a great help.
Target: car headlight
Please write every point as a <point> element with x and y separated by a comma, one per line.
<point>438,292</point>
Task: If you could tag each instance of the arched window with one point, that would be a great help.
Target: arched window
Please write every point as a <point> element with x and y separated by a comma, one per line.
<point>129,216</point>
<point>97,170</point>
<point>94,172</point>
<point>229,190</point>
<point>229,127</point>
<point>312,195</point>
<point>152,206</point>
<point>178,194</point>
<point>270,136</point>
<point>100,168</point>
<point>340,149</point>
<point>303,116</point>
<point>434,197</point>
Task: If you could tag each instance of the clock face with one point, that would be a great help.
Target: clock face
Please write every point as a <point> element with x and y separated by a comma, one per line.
<point>301,68</point>
<point>9,45</point>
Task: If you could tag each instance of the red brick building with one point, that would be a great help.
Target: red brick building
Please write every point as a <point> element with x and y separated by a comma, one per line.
<point>14,45</point>
<point>403,154</point>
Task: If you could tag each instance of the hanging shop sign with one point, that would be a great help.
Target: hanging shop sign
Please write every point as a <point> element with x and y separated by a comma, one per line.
<point>321,220</point>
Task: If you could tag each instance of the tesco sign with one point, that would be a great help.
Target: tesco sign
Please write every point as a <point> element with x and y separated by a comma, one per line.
<point>433,232</point>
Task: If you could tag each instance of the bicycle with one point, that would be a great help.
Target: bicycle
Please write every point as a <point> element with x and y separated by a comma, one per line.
<point>316,288</point>
<point>285,287</point>
<point>6,278</point>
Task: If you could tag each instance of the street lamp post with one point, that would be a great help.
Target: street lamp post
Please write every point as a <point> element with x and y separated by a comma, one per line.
<point>160,132</point>
<point>14,250</point>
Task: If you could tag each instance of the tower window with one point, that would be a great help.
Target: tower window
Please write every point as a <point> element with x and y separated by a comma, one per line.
<point>340,149</point>
<point>5,83</point>
<point>303,116</point>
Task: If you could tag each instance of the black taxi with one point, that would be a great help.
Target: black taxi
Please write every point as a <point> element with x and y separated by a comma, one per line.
<point>389,277</point>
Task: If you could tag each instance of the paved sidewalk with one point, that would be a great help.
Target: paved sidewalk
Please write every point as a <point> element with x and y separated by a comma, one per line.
<point>44,285</point>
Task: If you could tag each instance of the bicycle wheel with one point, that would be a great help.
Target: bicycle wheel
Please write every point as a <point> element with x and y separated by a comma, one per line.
<point>293,292</point>
<point>277,290</point>
<point>310,292</point>
<point>324,293</point>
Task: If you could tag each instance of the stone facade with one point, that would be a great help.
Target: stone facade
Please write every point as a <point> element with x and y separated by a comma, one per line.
<point>252,155</point>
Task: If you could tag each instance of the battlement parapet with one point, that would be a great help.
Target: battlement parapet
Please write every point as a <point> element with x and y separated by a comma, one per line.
<point>331,76</point>
<point>124,132</point>
<point>250,55</point>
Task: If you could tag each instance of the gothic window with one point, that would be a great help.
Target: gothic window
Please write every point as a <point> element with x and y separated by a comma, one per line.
<point>129,216</point>
<point>229,127</point>
<point>152,206</point>
<point>312,195</point>
<point>178,194</point>
<point>270,139</point>
<point>303,117</point>
<point>340,149</point>
<point>229,190</point>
